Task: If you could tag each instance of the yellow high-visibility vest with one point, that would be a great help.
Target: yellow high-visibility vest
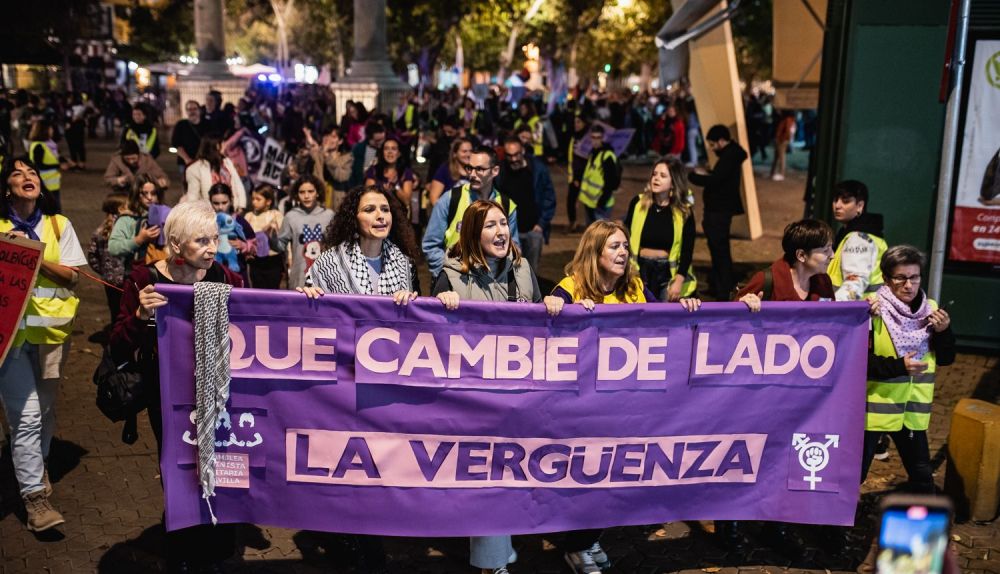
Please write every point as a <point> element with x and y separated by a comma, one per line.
<point>48,171</point>
<point>635,232</point>
<point>901,401</point>
<point>48,318</point>
<point>592,184</point>
<point>569,284</point>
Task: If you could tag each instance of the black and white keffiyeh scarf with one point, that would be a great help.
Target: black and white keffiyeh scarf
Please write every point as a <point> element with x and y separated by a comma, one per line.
<point>344,269</point>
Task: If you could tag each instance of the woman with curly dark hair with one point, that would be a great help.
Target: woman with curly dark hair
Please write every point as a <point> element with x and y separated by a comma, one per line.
<point>367,254</point>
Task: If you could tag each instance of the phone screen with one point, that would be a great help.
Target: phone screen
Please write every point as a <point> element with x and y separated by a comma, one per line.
<point>913,539</point>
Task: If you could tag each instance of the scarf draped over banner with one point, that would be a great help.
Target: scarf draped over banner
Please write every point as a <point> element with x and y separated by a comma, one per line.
<point>352,414</point>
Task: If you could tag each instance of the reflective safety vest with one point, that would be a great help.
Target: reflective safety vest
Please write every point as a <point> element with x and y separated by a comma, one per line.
<point>537,133</point>
<point>49,170</point>
<point>875,279</point>
<point>48,318</point>
<point>592,184</point>
<point>635,235</point>
<point>409,126</point>
<point>454,229</point>
<point>901,401</point>
<point>569,285</point>
<point>569,158</point>
<point>146,143</point>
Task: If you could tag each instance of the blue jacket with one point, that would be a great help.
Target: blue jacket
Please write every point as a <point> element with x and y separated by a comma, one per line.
<point>433,244</point>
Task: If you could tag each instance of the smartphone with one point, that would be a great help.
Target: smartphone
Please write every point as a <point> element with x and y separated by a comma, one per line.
<point>914,534</point>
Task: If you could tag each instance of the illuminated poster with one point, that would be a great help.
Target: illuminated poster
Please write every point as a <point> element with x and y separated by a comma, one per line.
<point>975,230</point>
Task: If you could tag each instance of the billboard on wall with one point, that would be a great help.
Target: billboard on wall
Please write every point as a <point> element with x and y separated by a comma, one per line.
<point>975,229</point>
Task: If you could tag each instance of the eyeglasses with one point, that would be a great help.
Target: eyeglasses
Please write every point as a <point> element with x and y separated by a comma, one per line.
<point>900,280</point>
<point>478,170</point>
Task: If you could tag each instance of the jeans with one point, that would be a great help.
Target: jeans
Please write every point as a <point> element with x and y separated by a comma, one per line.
<point>490,551</point>
<point>531,247</point>
<point>596,213</point>
<point>717,229</point>
<point>914,453</point>
<point>571,195</point>
<point>29,404</point>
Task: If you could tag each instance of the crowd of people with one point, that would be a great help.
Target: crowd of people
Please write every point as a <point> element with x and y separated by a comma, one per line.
<point>353,214</point>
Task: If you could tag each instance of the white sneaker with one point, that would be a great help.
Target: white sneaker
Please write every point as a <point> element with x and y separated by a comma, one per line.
<point>582,562</point>
<point>778,177</point>
<point>600,556</point>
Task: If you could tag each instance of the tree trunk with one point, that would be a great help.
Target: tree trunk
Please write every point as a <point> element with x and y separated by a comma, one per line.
<point>508,55</point>
<point>571,78</point>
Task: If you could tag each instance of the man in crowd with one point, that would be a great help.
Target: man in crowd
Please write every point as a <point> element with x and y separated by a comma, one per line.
<point>601,178</point>
<point>187,135</point>
<point>366,151</point>
<point>526,180</point>
<point>128,164</point>
<point>722,201</point>
<point>440,150</point>
<point>859,245</point>
<point>442,228</point>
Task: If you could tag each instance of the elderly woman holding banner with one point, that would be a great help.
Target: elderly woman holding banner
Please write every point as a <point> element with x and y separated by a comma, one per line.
<point>29,376</point>
<point>192,238</point>
<point>911,337</point>
<point>601,272</point>
<point>485,265</point>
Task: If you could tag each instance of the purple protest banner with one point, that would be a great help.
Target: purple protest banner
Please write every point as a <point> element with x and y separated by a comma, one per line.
<point>350,414</point>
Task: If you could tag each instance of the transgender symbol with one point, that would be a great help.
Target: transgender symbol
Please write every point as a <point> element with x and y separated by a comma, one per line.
<point>814,456</point>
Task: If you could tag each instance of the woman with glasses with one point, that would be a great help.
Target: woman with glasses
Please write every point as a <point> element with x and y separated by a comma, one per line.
<point>800,273</point>
<point>910,337</point>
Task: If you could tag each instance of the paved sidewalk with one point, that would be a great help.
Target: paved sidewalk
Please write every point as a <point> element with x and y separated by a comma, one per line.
<point>110,492</point>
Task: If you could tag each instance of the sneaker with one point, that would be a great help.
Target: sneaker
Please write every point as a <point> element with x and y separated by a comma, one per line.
<point>600,556</point>
<point>47,483</point>
<point>882,450</point>
<point>778,177</point>
<point>41,515</point>
<point>582,562</point>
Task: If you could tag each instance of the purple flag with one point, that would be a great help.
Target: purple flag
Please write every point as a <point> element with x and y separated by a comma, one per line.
<point>352,414</point>
<point>158,216</point>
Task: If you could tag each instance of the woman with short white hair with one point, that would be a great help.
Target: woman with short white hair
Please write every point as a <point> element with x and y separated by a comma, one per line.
<point>192,239</point>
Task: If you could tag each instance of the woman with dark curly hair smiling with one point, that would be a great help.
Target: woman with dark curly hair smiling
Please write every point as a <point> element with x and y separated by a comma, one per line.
<point>366,254</point>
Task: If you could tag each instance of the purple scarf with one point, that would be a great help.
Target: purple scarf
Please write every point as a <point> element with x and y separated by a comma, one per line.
<point>907,329</point>
<point>28,227</point>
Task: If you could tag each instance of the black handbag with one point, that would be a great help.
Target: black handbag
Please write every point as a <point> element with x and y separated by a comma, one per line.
<point>120,393</point>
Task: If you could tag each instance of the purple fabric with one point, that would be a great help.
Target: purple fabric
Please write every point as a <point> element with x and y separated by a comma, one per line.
<point>158,216</point>
<point>414,421</point>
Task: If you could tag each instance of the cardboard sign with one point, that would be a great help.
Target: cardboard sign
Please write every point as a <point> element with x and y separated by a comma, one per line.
<point>20,259</point>
<point>274,161</point>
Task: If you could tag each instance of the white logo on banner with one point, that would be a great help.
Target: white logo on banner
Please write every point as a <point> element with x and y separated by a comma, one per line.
<point>246,419</point>
<point>814,455</point>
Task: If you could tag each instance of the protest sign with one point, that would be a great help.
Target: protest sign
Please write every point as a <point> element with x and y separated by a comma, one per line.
<point>617,140</point>
<point>272,163</point>
<point>353,414</point>
<point>20,259</point>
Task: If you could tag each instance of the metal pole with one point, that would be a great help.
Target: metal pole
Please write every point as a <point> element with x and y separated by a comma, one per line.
<point>951,132</point>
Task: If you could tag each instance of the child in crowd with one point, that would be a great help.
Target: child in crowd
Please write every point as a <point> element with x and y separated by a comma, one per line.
<point>221,196</point>
<point>303,227</point>
<point>109,267</point>
<point>265,271</point>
